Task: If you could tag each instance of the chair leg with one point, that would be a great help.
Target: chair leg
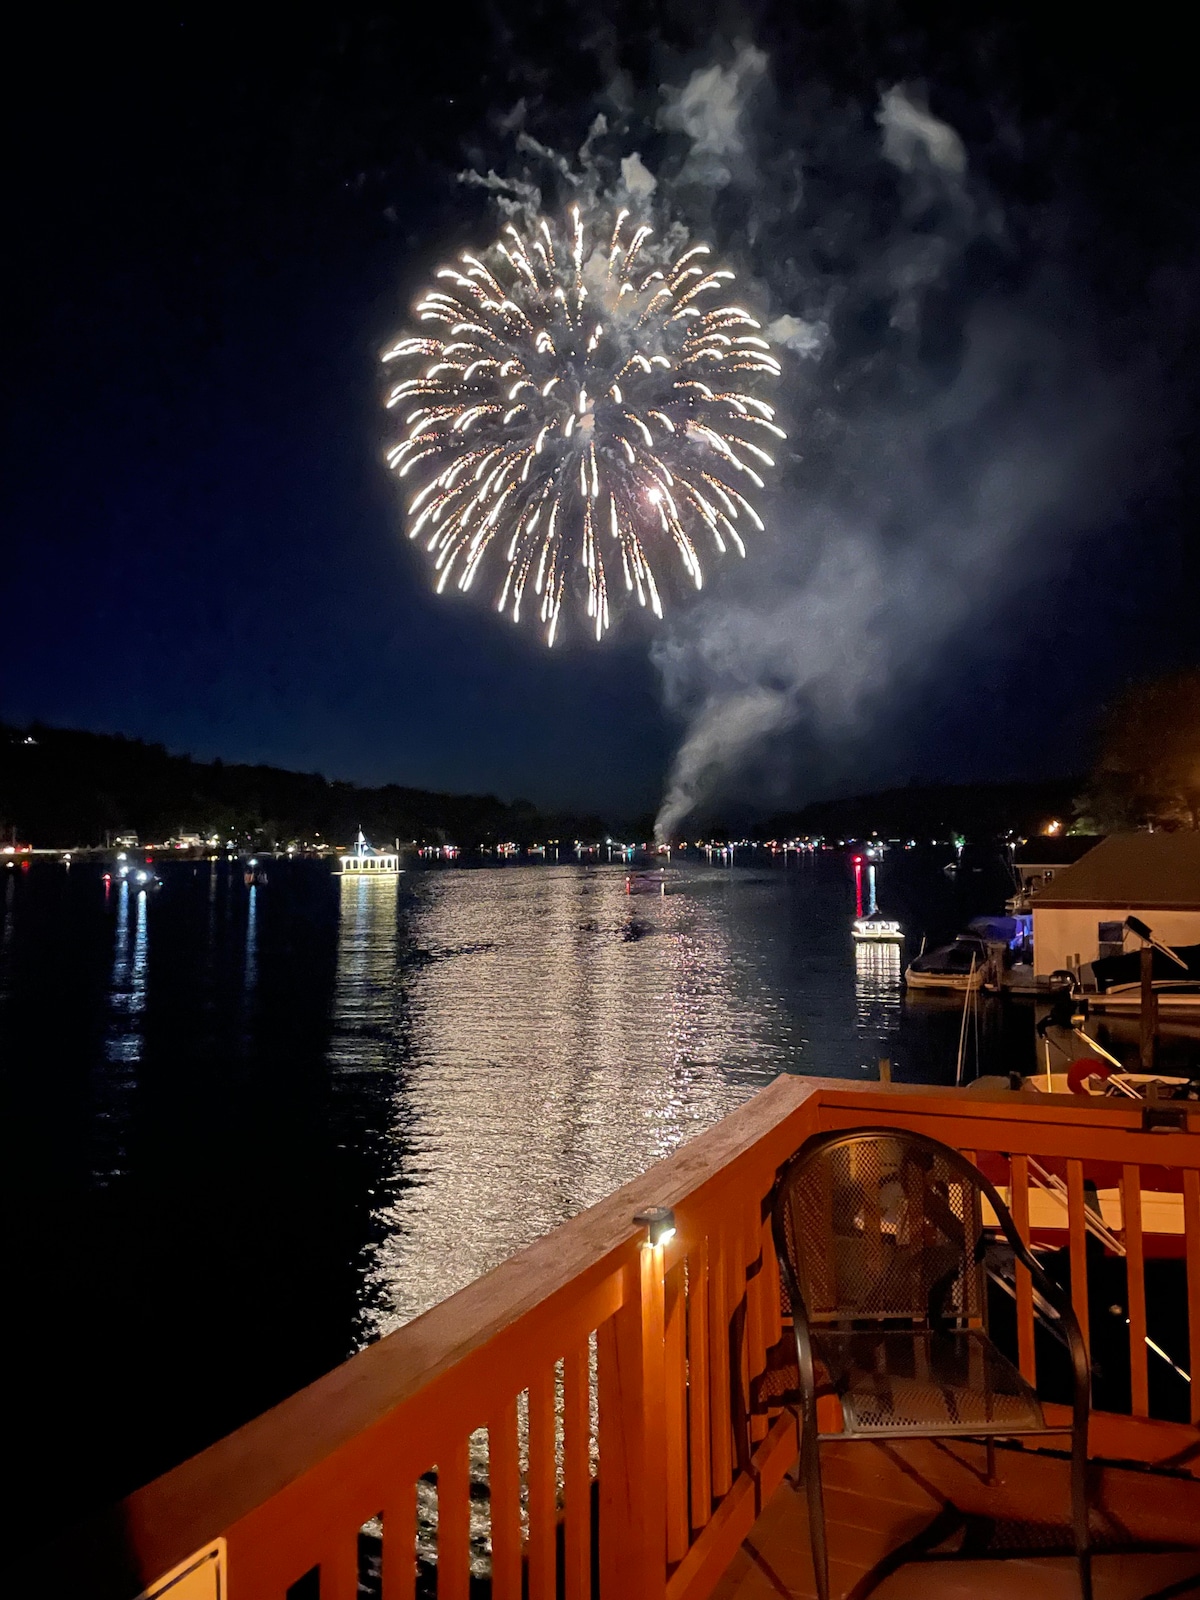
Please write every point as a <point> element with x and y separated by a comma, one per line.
<point>1079,1509</point>
<point>795,1476</point>
<point>810,1463</point>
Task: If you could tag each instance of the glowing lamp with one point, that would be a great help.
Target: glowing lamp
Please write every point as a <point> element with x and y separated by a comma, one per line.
<point>659,1223</point>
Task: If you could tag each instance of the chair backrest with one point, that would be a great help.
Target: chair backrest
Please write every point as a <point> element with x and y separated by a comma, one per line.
<point>880,1225</point>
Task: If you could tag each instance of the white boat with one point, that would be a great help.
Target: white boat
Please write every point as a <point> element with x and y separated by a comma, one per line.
<point>876,929</point>
<point>1118,980</point>
<point>1126,1085</point>
<point>1171,996</point>
<point>365,862</point>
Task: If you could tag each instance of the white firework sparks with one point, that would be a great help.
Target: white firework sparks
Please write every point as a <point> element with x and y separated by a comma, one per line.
<point>580,411</point>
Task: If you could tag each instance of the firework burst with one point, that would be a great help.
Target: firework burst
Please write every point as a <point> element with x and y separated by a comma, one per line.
<point>580,411</point>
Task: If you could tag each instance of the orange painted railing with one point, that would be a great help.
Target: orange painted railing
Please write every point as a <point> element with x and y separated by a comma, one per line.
<point>571,1413</point>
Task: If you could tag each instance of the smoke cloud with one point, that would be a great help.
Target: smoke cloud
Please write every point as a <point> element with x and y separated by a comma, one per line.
<point>953,419</point>
<point>911,135</point>
<point>949,427</point>
<point>711,109</point>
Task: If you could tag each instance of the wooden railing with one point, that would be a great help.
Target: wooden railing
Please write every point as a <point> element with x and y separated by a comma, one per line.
<point>567,1420</point>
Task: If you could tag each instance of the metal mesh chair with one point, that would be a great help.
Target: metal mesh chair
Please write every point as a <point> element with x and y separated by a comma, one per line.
<point>880,1242</point>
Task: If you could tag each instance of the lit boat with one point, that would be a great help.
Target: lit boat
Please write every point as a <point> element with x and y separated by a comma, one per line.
<point>876,929</point>
<point>365,862</point>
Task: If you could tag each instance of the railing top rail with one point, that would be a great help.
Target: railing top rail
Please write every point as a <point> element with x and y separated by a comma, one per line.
<point>997,1119</point>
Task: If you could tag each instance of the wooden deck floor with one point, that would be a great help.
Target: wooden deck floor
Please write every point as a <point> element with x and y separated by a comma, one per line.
<point>917,1521</point>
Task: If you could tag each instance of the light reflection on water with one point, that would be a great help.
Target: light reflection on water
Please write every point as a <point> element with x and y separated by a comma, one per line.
<point>558,1037</point>
<point>115,1087</point>
<point>878,970</point>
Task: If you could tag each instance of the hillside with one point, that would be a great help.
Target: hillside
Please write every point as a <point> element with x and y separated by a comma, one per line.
<point>934,811</point>
<point>62,788</point>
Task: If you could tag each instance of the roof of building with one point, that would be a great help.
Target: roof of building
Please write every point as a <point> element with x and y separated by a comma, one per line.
<point>1132,870</point>
<point>1059,850</point>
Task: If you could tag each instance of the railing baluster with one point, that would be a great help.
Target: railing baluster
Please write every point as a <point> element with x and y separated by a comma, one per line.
<point>577,1474</point>
<point>652,1489</point>
<point>699,1441</point>
<point>756,1348</point>
<point>676,1412</point>
<point>718,1365</point>
<point>399,1545</point>
<point>1191,1234</point>
<point>1077,1224</point>
<point>1019,1206</point>
<point>1135,1291</point>
<point>454,1521</point>
<point>773,1329</point>
<point>339,1569</point>
<point>629,1349</point>
<point>504,1481</point>
<point>542,1486</point>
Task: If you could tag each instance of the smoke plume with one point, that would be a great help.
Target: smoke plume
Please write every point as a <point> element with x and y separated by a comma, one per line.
<point>949,430</point>
<point>953,422</point>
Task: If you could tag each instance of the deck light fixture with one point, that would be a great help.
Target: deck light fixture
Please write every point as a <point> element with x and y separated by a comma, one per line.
<point>659,1223</point>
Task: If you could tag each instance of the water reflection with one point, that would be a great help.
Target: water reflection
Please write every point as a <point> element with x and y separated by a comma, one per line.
<point>365,990</point>
<point>6,928</point>
<point>877,974</point>
<point>250,973</point>
<point>561,1037</point>
<point>116,1078</point>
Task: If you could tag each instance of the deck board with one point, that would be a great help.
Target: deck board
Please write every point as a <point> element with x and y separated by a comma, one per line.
<point>1016,1532</point>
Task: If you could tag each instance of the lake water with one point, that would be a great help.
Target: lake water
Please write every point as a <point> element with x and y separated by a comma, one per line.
<point>250,1129</point>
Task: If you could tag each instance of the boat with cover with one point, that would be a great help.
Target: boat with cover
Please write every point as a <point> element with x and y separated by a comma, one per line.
<point>958,966</point>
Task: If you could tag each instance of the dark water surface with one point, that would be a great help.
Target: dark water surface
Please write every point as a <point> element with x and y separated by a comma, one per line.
<point>249,1130</point>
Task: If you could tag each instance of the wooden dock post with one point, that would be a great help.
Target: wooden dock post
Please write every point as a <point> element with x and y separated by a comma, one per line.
<point>1149,1008</point>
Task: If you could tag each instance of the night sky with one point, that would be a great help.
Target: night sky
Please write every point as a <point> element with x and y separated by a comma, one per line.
<point>986,520</point>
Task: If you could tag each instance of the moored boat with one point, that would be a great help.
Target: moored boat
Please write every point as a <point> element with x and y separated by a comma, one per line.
<point>650,882</point>
<point>958,966</point>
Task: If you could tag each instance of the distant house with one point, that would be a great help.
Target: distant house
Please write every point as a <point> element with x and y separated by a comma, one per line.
<point>1079,915</point>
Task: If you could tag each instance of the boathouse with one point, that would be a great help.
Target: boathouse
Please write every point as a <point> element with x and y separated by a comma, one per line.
<point>1079,915</point>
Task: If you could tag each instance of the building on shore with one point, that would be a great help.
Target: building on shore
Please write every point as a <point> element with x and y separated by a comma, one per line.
<point>1079,914</point>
